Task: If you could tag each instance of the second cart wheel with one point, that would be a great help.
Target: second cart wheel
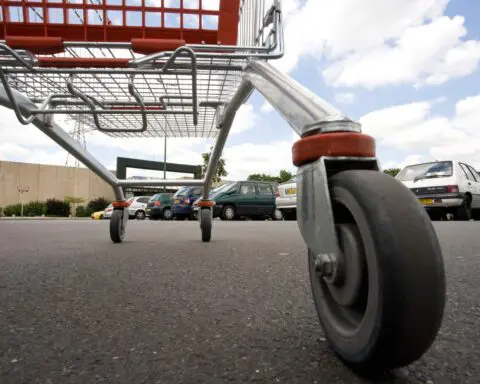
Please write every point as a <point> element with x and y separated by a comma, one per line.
<point>206,224</point>
<point>117,227</point>
<point>382,304</point>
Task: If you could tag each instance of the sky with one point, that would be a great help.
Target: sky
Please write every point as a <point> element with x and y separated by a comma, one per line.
<point>407,70</point>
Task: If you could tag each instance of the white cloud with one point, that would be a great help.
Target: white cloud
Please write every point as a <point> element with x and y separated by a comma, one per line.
<point>345,98</point>
<point>376,42</point>
<point>426,54</point>
<point>267,107</point>
<point>413,128</point>
<point>245,119</point>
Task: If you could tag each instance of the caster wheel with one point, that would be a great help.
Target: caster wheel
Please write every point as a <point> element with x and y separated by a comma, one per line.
<point>374,303</point>
<point>117,228</point>
<point>206,224</point>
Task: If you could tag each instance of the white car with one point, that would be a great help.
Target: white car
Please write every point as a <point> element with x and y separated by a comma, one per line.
<point>107,214</point>
<point>443,187</point>
<point>286,199</point>
<point>137,207</point>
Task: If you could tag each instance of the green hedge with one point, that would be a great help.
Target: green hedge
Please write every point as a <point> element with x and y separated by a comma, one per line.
<point>14,209</point>
<point>34,208</point>
<point>57,207</point>
<point>98,204</point>
<point>54,207</point>
<point>83,212</point>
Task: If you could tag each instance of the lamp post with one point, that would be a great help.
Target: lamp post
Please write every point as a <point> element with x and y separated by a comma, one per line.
<point>165,162</point>
<point>21,190</point>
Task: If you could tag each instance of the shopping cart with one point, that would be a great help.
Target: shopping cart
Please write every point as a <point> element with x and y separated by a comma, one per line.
<point>182,68</point>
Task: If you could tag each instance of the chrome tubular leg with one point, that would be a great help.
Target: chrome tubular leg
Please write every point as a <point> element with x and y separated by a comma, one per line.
<point>224,124</point>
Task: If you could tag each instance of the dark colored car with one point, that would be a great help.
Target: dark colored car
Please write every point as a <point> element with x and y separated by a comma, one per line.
<point>183,200</point>
<point>160,207</point>
<point>254,199</point>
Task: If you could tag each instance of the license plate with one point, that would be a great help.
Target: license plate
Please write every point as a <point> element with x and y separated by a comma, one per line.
<point>426,201</point>
<point>291,191</point>
<point>177,201</point>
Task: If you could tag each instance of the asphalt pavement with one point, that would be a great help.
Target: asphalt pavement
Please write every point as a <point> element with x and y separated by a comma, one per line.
<point>165,308</point>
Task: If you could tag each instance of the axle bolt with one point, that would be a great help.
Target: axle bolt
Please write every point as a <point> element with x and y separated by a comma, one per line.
<point>324,265</point>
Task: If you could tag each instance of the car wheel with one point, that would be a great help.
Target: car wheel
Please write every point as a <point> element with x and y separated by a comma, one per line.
<point>167,214</point>
<point>228,213</point>
<point>464,212</point>
<point>140,215</point>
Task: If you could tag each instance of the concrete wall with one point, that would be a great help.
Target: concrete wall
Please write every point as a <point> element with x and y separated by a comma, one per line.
<point>47,181</point>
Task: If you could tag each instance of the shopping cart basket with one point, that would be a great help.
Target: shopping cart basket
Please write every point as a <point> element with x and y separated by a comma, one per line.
<point>182,68</point>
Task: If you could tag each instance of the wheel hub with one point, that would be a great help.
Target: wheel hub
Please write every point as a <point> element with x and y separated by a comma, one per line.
<point>343,272</point>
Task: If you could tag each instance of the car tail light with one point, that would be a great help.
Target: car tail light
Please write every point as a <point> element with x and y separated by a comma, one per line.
<point>277,192</point>
<point>452,188</point>
<point>157,203</point>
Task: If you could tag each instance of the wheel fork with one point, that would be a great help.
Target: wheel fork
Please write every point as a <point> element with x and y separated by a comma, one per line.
<point>314,210</point>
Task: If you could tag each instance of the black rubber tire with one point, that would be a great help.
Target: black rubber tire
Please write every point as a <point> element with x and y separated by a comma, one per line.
<point>224,215</point>
<point>206,224</point>
<point>464,212</point>
<point>117,229</point>
<point>167,214</point>
<point>403,279</point>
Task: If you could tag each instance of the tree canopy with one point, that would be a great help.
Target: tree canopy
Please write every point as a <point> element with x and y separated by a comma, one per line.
<point>281,178</point>
<point>221,170</point>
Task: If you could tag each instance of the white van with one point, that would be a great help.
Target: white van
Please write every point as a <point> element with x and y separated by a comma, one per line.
<point>443,187</point>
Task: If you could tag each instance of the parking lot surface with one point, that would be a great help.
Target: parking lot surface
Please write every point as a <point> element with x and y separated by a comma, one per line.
<point>165,308</point>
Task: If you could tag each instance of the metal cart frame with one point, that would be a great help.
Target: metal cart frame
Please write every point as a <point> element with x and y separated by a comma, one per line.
<point>76,58</point>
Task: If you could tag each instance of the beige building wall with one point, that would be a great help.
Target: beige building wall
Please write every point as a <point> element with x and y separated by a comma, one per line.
<point>48,181</point>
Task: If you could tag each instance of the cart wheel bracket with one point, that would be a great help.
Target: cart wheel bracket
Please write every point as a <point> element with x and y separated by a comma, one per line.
<point>314,209</point>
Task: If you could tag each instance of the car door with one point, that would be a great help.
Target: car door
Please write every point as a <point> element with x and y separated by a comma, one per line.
<point>246,199</point>
<point>265,199</point>
<point>475,184</point>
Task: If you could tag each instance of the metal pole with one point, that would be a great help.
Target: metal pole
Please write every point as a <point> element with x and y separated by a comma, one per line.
<point>165,163</point>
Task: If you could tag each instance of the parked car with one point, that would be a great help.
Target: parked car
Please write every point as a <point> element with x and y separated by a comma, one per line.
<point>286,199</point>
<point>137,207</point>
<point>183,200</point>
<point>160,206</point>
<point>444,187</point>
<point>253,199</point>
<point>108,211</point>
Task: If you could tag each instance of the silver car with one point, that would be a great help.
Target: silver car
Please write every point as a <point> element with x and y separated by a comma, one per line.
<point>137,207</point>
<point>286,200</point>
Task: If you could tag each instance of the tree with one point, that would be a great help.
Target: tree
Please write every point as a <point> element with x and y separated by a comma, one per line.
<point>392,171</point>
<point>283,177</point>
<point>261,177</point>
<point>220,171</point>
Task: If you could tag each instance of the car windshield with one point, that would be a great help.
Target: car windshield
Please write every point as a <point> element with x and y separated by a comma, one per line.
<point>182,192</point>
<point>155,198</point>
<point>224,188</point>
<point>426,171</point>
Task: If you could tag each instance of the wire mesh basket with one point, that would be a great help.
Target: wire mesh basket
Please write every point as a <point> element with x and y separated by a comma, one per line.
<point>148,68</point>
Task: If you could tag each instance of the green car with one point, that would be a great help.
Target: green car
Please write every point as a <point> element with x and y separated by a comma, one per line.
<point>160,206</point>
<point>254,199</point>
